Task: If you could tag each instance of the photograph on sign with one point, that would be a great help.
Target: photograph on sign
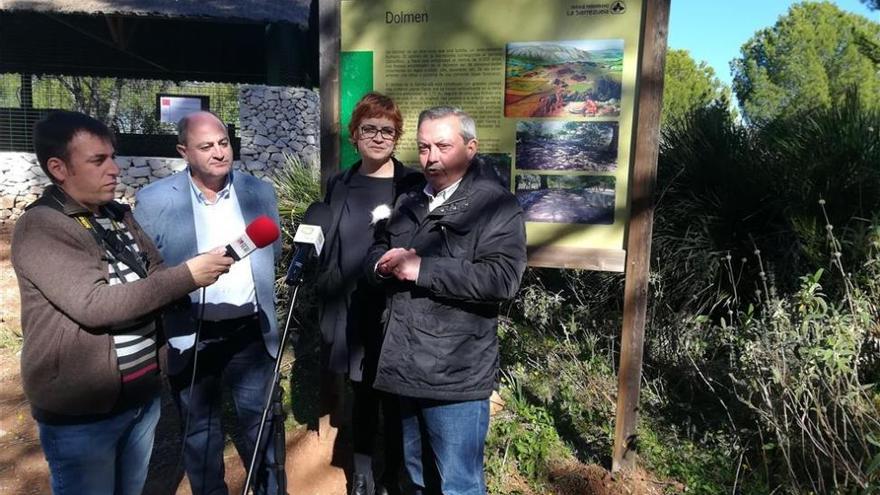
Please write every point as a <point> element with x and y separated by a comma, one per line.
<point>562,78</point>
<point>553,101</point>
<point>582,199</point>
<point>557,145</point>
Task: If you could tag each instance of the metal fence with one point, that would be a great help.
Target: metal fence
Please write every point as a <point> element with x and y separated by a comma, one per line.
<point>128,106</point>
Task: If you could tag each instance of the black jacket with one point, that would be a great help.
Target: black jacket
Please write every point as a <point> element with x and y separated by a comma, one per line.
<point>441,331</point>
<point>346,349</point>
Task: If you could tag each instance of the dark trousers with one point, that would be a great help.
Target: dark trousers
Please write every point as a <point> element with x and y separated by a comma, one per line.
<point>231,354</point>
<point>367,430</point>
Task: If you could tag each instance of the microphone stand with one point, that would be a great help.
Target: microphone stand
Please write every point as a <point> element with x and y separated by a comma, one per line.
<point>273,398</point>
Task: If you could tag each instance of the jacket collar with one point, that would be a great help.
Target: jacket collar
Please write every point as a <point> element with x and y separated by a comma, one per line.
<point>400,170</point>
<point>55,197</point>
<point>457,203</point>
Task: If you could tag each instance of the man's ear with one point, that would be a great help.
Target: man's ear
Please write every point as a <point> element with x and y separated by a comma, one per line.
<point>182,150</point>
<point>472,146</point>
<point>57,169</point>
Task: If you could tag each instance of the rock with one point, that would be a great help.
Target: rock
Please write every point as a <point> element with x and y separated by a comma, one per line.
<point>262,141</point>
<point>162,173</point>
<point>6,202</point>
<point>139,171</point>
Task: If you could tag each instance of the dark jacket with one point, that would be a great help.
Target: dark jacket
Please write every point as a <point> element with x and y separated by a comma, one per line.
<point>68,307</point>
<point>441,331</point>
<point>346,349</point>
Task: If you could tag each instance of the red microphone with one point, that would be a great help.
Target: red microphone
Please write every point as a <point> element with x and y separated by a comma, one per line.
<point>259,233</point>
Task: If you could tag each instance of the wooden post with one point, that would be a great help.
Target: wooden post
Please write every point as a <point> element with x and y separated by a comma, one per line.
<point>329,27</point>
<point>328,68</point>
<point>638,245</point>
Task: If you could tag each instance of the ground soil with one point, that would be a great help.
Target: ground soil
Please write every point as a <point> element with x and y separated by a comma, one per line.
<point>315,456</point>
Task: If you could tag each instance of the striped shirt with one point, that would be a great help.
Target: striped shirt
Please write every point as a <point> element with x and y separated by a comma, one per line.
<point>135,342</point>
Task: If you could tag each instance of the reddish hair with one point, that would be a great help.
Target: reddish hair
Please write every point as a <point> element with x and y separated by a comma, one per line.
<point>374,105</point>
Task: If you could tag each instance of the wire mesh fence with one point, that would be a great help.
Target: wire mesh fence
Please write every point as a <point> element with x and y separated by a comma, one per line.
<point>128,106</point>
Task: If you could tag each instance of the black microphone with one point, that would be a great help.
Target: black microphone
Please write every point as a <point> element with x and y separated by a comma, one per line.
<point>309,239</point>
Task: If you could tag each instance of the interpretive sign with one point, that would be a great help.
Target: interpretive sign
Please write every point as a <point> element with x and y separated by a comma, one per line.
<point>552,86</point>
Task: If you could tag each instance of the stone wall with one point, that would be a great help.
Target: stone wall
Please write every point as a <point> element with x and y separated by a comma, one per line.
<point>22,181</point>
<point>275,122</point>
<point>278,121</point>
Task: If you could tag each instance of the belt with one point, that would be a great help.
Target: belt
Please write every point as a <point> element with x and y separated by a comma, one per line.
<point>226,328</point>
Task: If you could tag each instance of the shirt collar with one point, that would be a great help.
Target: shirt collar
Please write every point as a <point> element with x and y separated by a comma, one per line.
<point>200,196</point>
<point>442,195</point>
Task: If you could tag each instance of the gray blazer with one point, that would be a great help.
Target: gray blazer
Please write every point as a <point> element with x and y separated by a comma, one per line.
<point>164,210</point>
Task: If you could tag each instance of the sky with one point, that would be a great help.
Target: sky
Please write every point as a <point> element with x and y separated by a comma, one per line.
<point>714,30</point>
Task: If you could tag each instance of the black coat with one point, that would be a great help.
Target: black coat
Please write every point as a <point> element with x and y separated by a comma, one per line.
<point>441,331</point>
<point>348,350</point>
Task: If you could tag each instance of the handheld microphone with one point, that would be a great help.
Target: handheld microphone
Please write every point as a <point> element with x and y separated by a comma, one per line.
<point>309,239</point>
<point>259,233</point>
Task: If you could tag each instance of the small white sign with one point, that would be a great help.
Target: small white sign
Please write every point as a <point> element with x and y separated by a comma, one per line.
<point>174,108</point>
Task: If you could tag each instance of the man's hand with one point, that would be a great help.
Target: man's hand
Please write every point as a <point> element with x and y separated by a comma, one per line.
<point>206,268</point>
<point>401,263</point>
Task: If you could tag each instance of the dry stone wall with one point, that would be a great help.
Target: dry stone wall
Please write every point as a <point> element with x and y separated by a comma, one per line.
<point>275,123</point>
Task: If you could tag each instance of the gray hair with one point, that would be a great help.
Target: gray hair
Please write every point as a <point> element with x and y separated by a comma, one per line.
<point>183,124</point>
<point>465,121</point>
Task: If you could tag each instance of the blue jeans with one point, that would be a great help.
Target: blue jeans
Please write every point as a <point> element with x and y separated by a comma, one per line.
<point>456,432</point>
<point>105,457</point>
<point>238,360</point>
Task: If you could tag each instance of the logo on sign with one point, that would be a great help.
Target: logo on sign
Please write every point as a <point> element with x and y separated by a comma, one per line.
<point>618,7</point>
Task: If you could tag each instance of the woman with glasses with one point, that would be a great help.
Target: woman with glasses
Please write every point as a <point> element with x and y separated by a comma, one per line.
<point>350,309</point>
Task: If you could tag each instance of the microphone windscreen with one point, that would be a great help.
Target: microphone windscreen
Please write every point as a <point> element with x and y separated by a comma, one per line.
<point>262,231</point>
<point>318,214</point>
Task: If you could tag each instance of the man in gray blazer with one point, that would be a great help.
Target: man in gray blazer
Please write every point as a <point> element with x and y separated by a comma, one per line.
<point>206,205</point>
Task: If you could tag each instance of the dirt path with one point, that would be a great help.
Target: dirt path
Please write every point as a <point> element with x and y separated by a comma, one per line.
<point>23,470</point>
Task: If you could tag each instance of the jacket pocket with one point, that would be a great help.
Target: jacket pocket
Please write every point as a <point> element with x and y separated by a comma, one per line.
<point>447,354</point>
<point>456,239</point>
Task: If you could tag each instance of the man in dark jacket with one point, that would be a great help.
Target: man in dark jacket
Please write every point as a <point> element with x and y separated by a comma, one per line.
<point>449,255</point>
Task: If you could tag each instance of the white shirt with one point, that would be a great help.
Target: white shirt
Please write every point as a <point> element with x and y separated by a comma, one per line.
<point>218,224</point>
<point>435,200</point>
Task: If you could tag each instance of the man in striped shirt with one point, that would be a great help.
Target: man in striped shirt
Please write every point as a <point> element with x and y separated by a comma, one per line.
<point>91,283</point>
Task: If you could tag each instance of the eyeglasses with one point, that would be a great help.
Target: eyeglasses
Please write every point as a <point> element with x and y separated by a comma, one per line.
<point>369,132</point>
